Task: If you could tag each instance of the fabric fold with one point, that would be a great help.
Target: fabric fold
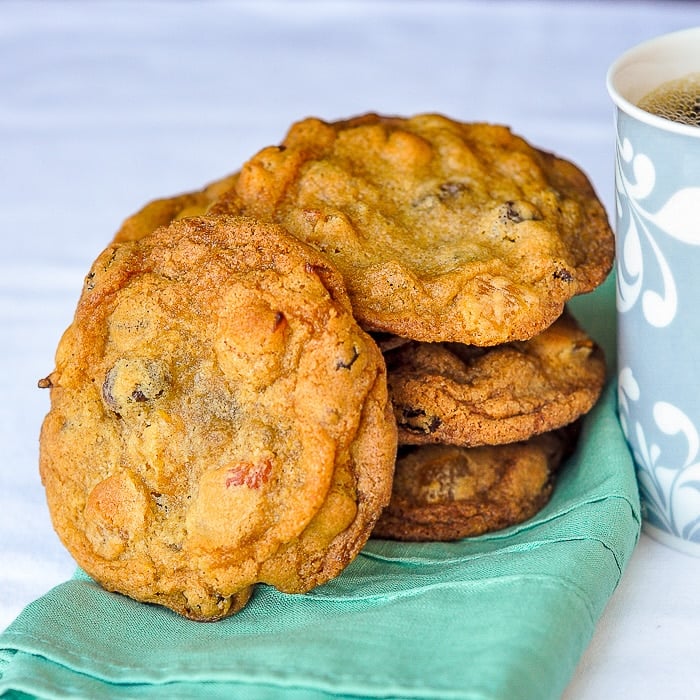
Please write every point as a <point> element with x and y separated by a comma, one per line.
<point>507,614</point>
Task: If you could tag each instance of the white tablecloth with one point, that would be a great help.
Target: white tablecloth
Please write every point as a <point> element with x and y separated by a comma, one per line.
<point>106,105</point>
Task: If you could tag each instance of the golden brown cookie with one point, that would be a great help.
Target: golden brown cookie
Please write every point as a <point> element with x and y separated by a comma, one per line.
<point>218,419</point>
<point>446,492</point>
<point>443,231</point>
<point>160,212</point>
<point>465,395</point>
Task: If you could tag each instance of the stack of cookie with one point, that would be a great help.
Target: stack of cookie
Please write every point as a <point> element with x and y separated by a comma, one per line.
<point>221,410</point>
<point>483,430</point>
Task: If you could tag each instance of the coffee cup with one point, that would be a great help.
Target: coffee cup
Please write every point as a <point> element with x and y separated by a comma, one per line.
<point>657,230</point>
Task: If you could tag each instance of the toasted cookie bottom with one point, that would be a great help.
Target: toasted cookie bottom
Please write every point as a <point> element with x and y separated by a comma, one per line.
<point>448,492</point>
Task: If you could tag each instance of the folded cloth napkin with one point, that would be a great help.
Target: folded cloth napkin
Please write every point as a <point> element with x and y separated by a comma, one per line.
<point>505,615</point>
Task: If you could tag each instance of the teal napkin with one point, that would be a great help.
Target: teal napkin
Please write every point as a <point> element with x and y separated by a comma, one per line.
<point>505,615</point>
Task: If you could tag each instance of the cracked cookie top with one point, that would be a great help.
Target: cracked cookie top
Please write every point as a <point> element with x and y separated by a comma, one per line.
<point>442,230</point>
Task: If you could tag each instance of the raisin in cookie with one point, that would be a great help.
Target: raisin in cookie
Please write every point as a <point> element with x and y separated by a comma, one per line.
<point>218,419</point>
<point>446,492</point>
<point>466,395</point>
<point>443,231</point>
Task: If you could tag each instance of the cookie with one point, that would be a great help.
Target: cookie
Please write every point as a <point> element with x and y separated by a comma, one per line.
<point>466,395</point>
<point>217,419</point>
<point>442,230</point>
<point>160,212</point>
<point>447,492</point>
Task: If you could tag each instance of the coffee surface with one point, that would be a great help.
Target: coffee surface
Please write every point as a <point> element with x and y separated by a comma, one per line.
<point>677,100</point>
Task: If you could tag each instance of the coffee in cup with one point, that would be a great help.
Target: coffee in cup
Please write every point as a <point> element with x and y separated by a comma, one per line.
<point>677,100</point>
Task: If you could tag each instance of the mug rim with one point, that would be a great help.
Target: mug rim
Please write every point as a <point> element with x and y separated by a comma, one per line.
<point>632,56</point>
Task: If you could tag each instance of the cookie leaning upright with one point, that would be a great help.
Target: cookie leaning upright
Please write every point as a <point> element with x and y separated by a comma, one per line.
<point>443,231</point>
<point>218,419</point>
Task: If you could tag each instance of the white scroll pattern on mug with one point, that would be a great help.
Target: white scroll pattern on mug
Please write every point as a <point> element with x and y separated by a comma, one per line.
<point>670,492</point>
<point>673,491</point>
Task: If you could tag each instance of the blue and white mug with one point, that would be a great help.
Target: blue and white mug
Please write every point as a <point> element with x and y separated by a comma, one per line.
<point>657,230</point>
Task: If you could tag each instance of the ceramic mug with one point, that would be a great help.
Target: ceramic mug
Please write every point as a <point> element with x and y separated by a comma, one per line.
<point>657,230</point>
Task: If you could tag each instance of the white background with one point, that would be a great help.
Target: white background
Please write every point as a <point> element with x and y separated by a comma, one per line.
<point>106,105</point>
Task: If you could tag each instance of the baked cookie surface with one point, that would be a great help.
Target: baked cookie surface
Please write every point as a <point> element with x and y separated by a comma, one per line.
<point>217,419</point>
<point>443,231</point>
<point>466,395</point>
<point>447,492</point>
<point>164,210</point>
